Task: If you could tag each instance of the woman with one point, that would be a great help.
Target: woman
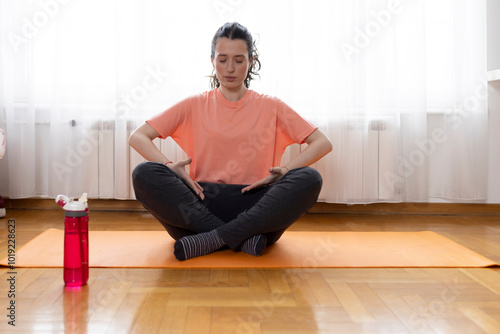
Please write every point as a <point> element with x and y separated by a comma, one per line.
<point>236,193</point>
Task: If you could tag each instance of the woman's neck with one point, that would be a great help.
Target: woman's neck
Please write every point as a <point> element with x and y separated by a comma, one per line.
<point>233,95</point>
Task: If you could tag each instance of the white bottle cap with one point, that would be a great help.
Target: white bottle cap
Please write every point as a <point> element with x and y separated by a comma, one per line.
<point>75,206</point>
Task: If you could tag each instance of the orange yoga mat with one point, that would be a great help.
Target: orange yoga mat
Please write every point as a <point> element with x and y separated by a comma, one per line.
<point>296,249</point>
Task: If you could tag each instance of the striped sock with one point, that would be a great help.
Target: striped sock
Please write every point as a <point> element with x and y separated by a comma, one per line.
<point>197,245</point>
<point>255,245</point>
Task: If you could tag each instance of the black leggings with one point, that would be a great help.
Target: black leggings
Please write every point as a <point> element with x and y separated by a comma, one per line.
<point>268,210</point>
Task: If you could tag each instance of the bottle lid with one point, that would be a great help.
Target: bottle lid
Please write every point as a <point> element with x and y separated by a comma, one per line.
<point>75,206</point>
<point>70,204</point>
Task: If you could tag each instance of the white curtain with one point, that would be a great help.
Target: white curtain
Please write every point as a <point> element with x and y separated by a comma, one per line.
<point>398,86</point>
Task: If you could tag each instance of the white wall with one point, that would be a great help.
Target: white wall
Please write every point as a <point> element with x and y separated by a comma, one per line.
<point>494,142</point>
<point>493,53</point>
<point>493,34</point>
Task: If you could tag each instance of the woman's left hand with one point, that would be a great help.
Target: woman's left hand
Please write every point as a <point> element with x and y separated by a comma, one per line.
<point>274,174</point>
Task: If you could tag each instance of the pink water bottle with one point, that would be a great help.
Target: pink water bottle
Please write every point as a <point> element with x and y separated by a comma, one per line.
<point>76,239</point>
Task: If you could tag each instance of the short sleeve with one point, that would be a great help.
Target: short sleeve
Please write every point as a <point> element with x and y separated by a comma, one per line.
<point>173,121</point>
<point>292,128</point>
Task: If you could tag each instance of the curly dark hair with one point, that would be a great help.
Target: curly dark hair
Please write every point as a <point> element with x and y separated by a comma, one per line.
<point>234,30</point>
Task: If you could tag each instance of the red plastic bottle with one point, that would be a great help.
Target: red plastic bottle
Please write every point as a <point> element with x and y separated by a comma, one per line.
<point>76,239</point>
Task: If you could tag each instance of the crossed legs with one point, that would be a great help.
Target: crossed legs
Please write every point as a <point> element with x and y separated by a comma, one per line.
<point>247,222</point>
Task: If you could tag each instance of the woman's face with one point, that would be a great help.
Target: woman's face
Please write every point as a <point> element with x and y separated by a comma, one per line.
<point>231,62</point>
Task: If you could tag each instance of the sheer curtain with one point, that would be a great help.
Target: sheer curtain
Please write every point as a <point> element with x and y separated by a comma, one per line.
<point>398,86</point>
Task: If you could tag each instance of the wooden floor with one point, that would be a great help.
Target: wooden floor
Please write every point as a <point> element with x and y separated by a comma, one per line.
<point>261,300</point>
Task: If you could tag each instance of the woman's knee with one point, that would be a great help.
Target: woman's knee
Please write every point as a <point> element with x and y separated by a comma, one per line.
<point>140,175</point>
<point>149,171</point>
<point>143,169</point>
<point>309,175</point>
<point>149,175</point>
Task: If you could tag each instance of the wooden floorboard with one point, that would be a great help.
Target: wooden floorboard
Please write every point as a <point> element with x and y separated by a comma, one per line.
<point>401,300</point>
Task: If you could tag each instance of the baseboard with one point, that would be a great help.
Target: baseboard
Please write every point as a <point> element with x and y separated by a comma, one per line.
<point>409,208</point>
<point>94,204</point>
<point>320,207</point>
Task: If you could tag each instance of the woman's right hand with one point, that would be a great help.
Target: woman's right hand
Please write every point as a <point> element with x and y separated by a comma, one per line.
<point>180,169</point>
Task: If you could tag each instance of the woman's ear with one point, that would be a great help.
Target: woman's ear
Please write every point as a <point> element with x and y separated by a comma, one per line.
<point>212,61</point>
<point>250,64</point>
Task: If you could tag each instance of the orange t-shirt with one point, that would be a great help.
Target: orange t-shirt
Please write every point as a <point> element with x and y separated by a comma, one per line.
<point>232,142</point>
